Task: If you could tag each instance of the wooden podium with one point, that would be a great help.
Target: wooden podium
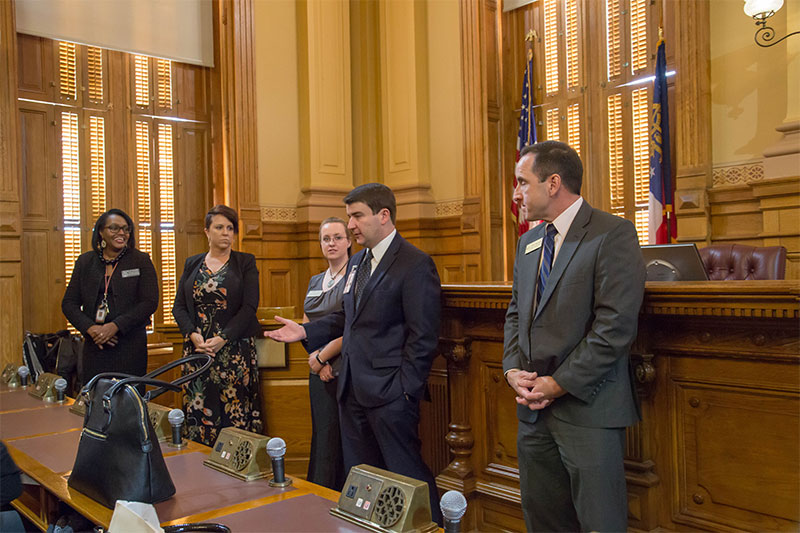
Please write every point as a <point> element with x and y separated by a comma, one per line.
<point>718,371</point>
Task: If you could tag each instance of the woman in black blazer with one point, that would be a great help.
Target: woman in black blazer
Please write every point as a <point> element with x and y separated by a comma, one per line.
<point>215,308</point>
<point>111,295</point>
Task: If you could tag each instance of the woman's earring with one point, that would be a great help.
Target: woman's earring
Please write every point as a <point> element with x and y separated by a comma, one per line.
<point>103,243</point>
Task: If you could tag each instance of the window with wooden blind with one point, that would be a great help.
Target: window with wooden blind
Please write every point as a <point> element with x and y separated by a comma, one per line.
<point>571,23</point>
<point>613,39</point>
<point>141,69</point>
<point>552,129</point>
<point>574,127</point>
<point>551,45</point>
<point>94,74</point>
<point>97,162</point>
<point>71,190</point>
<point>616,181</point>
<point>143,217</point>
<point>112,148</point>
<point>68,71</point>
<point>166,193</point>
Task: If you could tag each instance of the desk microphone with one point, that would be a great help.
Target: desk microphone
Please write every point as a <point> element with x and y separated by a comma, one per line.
<point>23,375</point>
<point>453,505</point>
<point>176,418</point>
<point>276,448</point>
<point>60,385</point>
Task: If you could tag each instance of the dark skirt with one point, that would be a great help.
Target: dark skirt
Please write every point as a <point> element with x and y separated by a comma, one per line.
<point>129,356</point>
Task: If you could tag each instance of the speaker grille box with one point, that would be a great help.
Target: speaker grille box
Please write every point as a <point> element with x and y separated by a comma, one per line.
<point>159,417</point>
<point>10,376</point>
<point>383,501</point>
<point>241,454</point>
<point>45,387</point>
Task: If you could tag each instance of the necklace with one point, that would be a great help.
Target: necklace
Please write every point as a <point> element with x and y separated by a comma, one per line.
<point>115,260</point>
<point>333,276</point>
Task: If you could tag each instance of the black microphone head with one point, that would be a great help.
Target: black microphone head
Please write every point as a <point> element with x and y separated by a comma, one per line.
<point>175,417</point>
<point>276,447</point>
<point>60,385</point>
<point>23,371</point>
<point>453,505</point>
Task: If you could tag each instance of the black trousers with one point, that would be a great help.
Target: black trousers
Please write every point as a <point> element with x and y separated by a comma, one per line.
<point>326,465</point>
<point>386,437</point>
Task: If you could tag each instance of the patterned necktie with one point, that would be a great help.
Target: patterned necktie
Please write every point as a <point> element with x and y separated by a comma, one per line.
<point>362,274</point>
<point>547,261</point>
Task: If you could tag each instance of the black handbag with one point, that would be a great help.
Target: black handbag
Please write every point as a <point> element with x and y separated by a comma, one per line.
<point>119,457</point>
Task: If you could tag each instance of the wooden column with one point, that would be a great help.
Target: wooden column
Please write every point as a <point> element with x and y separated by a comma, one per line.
<point>323,36</point>
<point>691,125</point>
<point>474,216</point>
<point>234,115</point>
<point>10,187</point>
<point>404,107</point>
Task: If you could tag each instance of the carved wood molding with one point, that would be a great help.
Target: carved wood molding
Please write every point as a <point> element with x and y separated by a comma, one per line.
<point>743,299</point>
<point>477,295</point>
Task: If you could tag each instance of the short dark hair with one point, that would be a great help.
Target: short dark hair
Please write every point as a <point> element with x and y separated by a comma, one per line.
<point>554,157</point>
<point>101,223</point>
<point>337,220</point>
<point>225,211</point>
<point>376,195</point>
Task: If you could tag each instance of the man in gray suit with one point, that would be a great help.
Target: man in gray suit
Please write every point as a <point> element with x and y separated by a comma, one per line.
<point>578,286</point>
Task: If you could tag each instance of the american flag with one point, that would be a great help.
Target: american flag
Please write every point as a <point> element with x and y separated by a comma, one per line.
<point>526,136</point>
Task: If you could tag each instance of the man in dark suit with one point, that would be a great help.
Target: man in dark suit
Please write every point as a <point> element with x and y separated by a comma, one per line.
<point>578,287</point>
<point>390,324</point>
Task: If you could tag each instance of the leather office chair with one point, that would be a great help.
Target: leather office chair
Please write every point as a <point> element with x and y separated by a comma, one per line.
<point>739,261</point>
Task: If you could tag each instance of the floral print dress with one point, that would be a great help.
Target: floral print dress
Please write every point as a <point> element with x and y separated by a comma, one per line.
<point>226,395</point>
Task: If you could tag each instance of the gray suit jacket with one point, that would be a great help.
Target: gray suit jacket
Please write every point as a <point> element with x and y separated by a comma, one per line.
<point>585,322</point>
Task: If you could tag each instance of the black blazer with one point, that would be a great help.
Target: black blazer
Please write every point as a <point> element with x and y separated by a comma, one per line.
<point>391,339</point>
<point>239,319</point>
<point>133,288</point>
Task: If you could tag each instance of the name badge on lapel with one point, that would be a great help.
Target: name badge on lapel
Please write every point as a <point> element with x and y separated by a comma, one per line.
<point>350,278</point>
<point>131,273</point>
<point>314,293</point>
<point>535,245</point>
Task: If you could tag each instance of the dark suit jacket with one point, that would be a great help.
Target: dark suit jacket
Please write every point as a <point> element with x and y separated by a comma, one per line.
<point>391,339</point>
<point>585,322</point>
<point>239,319</point>
<point>133,288</point>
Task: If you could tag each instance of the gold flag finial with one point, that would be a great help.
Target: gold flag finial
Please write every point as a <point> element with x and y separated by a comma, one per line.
<point>531,35</point>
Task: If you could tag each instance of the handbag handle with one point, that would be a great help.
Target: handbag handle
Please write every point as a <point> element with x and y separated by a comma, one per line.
<point>185,528</point>
<point>175,385</point>
<point>86,388</point>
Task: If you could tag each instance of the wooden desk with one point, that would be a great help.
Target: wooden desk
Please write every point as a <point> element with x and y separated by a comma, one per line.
<point>202,494</point>
<point>718,448</point>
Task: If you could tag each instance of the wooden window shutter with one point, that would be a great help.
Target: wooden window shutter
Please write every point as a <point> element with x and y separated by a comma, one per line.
<point>97,164</point>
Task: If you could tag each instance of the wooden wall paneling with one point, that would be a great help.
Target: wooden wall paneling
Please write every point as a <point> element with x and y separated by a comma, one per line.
<point>191,86</point>
<point>36,68</point>
<point>193,188</point>
<point>10,190</point>
<point>42,218</point>
<point>434,419</point>
<point>287,410</point>
<point>120,163</point>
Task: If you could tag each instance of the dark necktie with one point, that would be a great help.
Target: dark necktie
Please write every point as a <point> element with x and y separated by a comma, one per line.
<point>547,260</point>
<point>362,274</point>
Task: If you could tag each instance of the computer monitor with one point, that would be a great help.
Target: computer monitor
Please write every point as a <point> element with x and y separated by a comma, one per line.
<point>673,262</point>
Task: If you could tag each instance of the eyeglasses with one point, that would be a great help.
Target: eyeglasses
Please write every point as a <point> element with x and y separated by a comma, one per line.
<point>113,228</point>
<point>329,240</point>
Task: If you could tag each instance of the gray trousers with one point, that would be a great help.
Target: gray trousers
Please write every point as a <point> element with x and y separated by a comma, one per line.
<point>572,478</point>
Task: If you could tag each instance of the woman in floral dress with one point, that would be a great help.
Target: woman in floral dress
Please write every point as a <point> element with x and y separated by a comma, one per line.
<point>215,308</point>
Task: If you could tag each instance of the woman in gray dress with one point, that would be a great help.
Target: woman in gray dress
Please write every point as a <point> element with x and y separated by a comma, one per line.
<point>326,466</point>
